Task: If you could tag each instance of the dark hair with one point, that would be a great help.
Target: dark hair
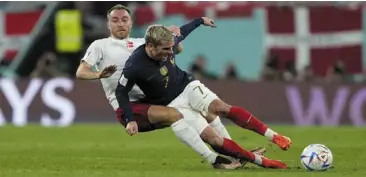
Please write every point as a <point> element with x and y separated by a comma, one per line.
<point>118,7</point>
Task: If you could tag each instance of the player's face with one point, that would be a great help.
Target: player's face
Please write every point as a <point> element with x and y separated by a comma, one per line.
<point>164,50</point>
<point>119,23</point>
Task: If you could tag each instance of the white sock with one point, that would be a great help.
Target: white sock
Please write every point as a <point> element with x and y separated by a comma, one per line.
<point>217,125</point>
<point>190,137</point>
<point>258,159</point>
<point>269,133</point>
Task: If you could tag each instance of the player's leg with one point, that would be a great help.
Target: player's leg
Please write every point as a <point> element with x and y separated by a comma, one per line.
<point>150,117</point>
<point>141,118</point>
<point>215,122</point>
<point>245,119</point>
<point>164,116</point>
<point>203,99</point>
<point>229,147</point>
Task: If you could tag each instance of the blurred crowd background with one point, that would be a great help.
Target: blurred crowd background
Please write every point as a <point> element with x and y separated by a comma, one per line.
<point>272,41</point>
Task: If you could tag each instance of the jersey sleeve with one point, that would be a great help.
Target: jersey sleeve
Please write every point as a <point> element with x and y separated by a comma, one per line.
<point>93,54</point>
<point>176,43</point>
<point>186,29</point>
<point>125,84</point>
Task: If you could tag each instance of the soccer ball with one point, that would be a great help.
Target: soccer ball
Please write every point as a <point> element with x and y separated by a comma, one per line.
<point>316,157</point>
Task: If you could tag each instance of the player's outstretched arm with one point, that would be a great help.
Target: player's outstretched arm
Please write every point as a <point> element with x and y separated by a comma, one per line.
<point>93,56</point>
<point>186,29</point>
<point>86,72</point>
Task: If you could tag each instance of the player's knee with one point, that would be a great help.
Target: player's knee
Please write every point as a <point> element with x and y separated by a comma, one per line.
<point>169,115</point>
<point>173,115</point>
<point>209,117</point>
<point>219,108</point>
<point>161,115</point>
<point>211,137</point>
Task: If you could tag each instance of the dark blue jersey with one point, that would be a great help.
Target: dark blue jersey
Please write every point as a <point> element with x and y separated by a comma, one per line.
<point>161,81</point>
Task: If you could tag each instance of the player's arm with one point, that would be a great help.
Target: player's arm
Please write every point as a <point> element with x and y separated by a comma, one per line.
<point>186,29</point>
<point>123,99</point>
<point>85,71</point>
<point>125,84</point>
<point>179,48</point>
<point>92,57</point>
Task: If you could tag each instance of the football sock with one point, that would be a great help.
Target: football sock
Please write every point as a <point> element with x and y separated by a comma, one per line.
<point>234,150</point>
<point>190,137</point>
<point>269,133</point>
<point>247,120</point>
<point>220,128</point>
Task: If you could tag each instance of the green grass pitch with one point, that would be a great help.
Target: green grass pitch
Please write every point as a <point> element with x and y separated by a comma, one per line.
<point>91,150</point>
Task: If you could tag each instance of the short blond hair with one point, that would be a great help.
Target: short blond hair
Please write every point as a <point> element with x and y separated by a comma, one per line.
<point>118,7</point>
<point>155,34</point>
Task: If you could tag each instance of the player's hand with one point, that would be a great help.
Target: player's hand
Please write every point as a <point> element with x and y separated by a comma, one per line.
<point>107,71</point>
<point>132,128</point>
<point>175,30</point>
<point>208,22</point>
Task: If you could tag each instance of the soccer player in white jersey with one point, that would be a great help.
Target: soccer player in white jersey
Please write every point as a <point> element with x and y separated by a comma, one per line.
<point>108,57</point>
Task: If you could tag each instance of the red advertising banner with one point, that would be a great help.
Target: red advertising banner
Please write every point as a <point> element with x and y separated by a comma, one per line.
<point>14,35</point>
<point>63,101</point>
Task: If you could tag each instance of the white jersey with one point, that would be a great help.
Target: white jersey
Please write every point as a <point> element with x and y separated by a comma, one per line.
<point>109,51</point>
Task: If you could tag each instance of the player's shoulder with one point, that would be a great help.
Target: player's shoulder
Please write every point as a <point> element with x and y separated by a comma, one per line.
<point>138,41</point>
<point>138,57</point>
<point>99,43</point>
<point>133,65</point>
<point>138,53</point>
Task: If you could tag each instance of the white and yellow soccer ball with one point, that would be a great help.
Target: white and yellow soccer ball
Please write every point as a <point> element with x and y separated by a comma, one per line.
<point>316,157</point>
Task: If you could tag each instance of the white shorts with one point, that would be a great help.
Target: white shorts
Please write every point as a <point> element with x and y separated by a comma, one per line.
<point>194,100</point>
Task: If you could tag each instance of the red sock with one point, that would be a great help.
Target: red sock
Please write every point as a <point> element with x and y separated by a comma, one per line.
<point>245,119</point>
<point>236,151</point>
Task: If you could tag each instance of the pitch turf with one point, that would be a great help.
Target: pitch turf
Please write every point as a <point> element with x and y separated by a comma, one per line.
<point>105,150</point>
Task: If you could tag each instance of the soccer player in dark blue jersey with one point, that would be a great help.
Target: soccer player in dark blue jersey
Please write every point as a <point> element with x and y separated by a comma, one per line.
<point>116,50</point>
<point>152,68</point>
